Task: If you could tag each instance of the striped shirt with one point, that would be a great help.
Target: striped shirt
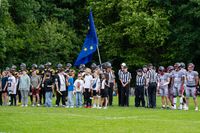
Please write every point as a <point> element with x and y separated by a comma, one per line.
<point>140,80</point>
<point>125,77</point>
<point>120,72</point>
<point>152,76</point>
<point>111,77</point>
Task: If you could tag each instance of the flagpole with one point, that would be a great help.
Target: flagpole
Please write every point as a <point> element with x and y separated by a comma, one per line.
<point>99,55</point>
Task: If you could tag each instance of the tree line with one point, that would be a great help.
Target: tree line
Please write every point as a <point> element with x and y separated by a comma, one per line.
<point>133,31</point>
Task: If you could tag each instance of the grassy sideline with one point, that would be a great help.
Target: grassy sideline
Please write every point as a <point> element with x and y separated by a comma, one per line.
<point>113,120</point>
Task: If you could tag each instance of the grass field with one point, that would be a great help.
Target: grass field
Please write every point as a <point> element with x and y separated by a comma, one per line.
<point>113,120</point>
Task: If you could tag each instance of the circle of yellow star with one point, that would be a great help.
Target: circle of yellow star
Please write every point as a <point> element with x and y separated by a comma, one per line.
<point>85,49</point>
<point>91,47</point>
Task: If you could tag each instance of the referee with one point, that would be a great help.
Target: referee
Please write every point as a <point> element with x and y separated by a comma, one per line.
<point>139,88</point>
<point>125,79</point>
<point>120,72</point>
<point>152,85</point>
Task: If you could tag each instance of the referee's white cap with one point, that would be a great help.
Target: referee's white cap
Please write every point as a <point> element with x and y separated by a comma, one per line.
<point>123,64</point>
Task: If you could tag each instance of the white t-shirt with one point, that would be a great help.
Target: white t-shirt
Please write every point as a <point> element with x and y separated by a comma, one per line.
<point>12,84</point>
<point>79,85</point>
<point>88,81</point>
<point>62,82</point>
<point>103,84</point>
<point>96,83</point>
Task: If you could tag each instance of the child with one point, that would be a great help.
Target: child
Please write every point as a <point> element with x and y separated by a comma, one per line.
<point>35,85</point>
<point>78,84</point>
<point>96,88</point>
<point>139,89</point>
<point>163,81</point>
<point>12,88</point>
<point>70,90</point>
<point>104,91</point>
<point>4,84</point>
<point>48,86</point>
<point>88,87</point>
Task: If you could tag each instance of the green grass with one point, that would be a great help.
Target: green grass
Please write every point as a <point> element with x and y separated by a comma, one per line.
<point>113,120</point>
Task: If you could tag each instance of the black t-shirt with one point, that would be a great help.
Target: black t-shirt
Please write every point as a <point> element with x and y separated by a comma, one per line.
<point>3,81</point>
<point>48,85</point>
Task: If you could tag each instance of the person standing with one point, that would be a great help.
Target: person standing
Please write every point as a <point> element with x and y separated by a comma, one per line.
<point>152,85</point>
<point>125,80</point>
<point>120,72</point>
<point>35,87</point>
<point>24,86</point>
<point>111,83</point>
<point>60,82</point>
<point>4,85</point>
<point>139,88</point>
<point>70,101</point>
<point>96,84</point>
<point>42,90</point>
<point>78,85</point>
<point>192,79</point>
<point>12,90</point>
<point>88,87</point>
<point>48,87</point>
<point>163,82</point>
<point>178,79</point>
<point>104,91</point>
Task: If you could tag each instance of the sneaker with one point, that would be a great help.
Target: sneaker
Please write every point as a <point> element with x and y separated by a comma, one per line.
<point>33,105</point>
<point>196,109</point>
<point>66,106</point>
<point>22,105</point>
<point>56,105</point>
<point>180,107</point>
<point>105,108</point>
<point>72,107</point>
<point>26,105</point>
<point>163,107</point>
<point>94,106</point>
<point>38,105</point>
<point>173,107</point>
<point>186,108</point>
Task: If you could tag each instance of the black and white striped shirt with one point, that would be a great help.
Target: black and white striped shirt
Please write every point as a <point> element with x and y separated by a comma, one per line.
<point>125,77</point>
<point>140,80</point>
<point>120,72</point>
<point>152,76</point>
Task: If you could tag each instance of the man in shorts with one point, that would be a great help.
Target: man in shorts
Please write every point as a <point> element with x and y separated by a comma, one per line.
<point>192,78</point>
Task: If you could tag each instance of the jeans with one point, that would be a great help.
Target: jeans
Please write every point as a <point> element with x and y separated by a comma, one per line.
<point>70,98</point>
<point>24,95</point>
<point>78,99</point>
<point>48,99</point>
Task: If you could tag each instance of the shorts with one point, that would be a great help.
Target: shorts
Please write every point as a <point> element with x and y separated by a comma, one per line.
<point>104,93</point>
<point>164,91</point>
<point>191,91</point>
<point>177,90</point>
<point>35,91</point>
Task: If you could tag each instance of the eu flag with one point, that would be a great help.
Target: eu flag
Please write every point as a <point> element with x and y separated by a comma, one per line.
<point>90,44</point>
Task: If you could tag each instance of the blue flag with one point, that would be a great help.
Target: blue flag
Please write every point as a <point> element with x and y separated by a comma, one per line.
<point>90,44</point>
